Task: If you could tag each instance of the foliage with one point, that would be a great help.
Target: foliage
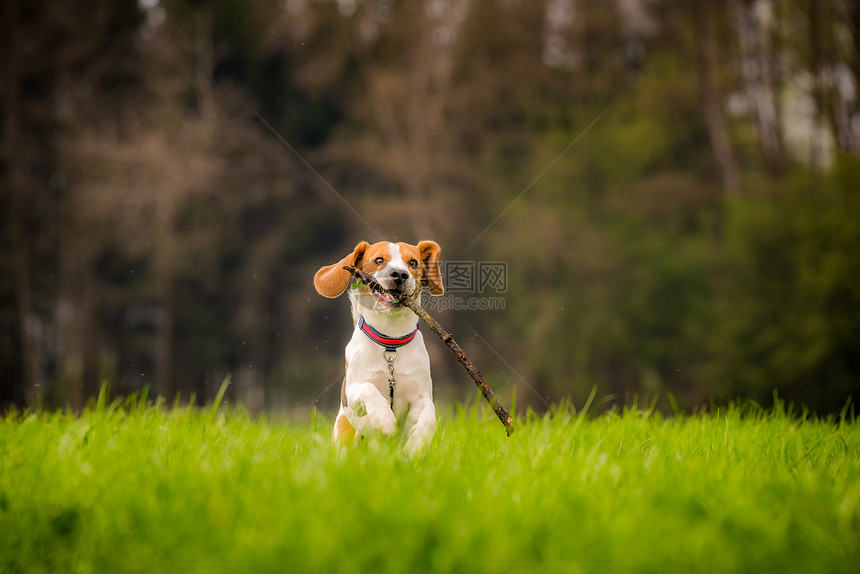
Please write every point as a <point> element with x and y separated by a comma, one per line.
<point>794,255</point>
<point>128,487</point>
<point>671,185</point>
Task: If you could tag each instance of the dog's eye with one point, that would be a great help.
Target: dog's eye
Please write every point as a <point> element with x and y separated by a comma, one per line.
<point>379,260</point>
<point>413,263</point>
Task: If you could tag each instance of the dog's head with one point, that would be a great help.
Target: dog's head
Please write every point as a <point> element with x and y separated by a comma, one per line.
<point>400,268</point>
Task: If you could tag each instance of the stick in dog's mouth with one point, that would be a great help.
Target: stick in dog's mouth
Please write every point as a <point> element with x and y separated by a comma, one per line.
<point>446,337</point>
<point>385,297</point>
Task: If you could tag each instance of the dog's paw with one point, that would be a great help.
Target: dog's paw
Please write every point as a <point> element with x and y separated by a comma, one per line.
<point>382,420</point>
<point>372,412</point>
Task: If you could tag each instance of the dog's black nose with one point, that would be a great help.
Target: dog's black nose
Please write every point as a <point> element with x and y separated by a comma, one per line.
<point>399,276</point>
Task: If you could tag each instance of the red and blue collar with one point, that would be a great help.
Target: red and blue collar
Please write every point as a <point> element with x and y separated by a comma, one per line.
<point>390,343</point>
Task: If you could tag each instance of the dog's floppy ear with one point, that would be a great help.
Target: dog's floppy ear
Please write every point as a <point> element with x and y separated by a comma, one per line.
<point>332,280</point>
<point>430,251</point>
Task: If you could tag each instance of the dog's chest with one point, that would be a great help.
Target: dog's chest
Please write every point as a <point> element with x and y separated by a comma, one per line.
<point>366,363</point>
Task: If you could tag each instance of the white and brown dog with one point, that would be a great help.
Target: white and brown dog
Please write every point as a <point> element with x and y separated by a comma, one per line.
<point>387,368</point>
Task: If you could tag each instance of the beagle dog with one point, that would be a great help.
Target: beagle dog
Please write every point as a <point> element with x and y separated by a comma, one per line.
<point>387,367</point>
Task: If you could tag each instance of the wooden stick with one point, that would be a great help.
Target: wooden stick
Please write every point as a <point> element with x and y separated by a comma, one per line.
<point>448,339</point>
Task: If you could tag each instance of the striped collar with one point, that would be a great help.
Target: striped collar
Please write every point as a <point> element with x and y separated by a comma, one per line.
<point>390,343</point>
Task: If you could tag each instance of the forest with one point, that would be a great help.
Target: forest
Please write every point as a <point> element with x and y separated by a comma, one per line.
<point>644,200</point>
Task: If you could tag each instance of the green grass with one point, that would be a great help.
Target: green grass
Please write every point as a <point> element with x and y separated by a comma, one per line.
<point>136,488</point>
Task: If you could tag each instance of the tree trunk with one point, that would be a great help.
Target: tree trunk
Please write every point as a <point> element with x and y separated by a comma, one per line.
<point>756,72</point>
<point>77,322</point>
<point>854,66</point>
<point>819,95</point>
<point>712,102</point>
<point>842,76</point>
<point>163,267</point>
<point>27,387</point>
<point>69,320</point>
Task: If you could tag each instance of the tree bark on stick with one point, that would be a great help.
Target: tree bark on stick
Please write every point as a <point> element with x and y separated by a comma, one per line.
<point>449,341</point>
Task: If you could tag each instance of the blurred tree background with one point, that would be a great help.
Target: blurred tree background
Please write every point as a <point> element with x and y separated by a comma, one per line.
<point>674,186</point>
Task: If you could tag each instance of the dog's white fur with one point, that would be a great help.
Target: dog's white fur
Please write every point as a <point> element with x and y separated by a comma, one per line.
<point>364,405</point>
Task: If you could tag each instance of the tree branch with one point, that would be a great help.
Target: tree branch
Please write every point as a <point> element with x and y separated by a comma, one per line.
<point>448,339</point>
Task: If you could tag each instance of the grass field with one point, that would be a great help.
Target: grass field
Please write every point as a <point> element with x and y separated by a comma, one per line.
<point>136,488</point>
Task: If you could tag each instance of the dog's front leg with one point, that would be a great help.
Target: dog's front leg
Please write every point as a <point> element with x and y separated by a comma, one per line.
<point>423,413</point>
<point>373,413</point>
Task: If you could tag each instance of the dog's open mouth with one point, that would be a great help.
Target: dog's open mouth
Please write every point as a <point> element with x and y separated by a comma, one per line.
<point>387,299</point>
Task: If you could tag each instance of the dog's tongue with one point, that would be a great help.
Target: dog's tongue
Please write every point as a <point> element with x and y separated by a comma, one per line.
<point>387,297</point>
